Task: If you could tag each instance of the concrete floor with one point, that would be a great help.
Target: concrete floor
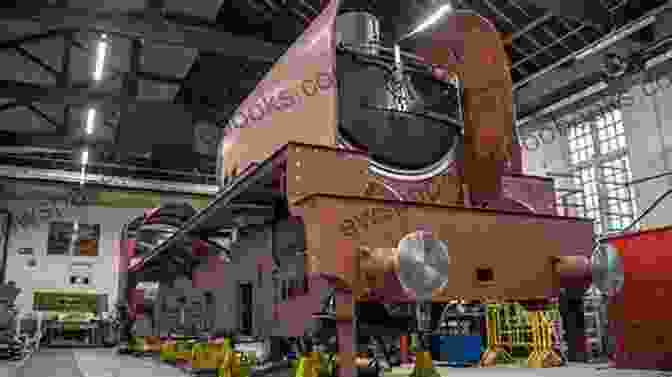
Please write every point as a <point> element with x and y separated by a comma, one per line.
<point>90,362</point>
<point>572,370</point>
<point>106,363</point>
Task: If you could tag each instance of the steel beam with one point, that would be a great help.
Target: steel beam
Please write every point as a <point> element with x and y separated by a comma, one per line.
<point>529,27</point>
<point>139,75</point>
<point>590,47</point>
<point>131,86</point>
<point>65,78</point>
<point>14,43</point>
<point>63,176</point>
<point>56,124</point>
<point>152,30</point>
<point>41,63</point>
<point>25,93</point>
<point>9,106</point>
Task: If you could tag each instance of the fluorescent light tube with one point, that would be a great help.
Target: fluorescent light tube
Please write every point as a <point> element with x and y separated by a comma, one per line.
<point>434,18</point>
<point>90,120</point>
<point>101,55</point>
<point>85,157</point>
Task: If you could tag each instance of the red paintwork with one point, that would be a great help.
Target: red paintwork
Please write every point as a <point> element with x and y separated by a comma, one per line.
<point>295,313</point>
<point>647,258</point>
<point>136,298</point>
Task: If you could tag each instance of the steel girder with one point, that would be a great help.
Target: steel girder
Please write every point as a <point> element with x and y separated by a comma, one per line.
<point>26,93</point>
<point>150,29</point>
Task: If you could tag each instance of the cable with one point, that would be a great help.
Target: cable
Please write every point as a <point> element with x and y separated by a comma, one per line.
<point>639,218</point>
<point>648,210</point>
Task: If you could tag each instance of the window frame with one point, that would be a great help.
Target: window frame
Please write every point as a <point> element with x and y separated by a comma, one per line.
<point>597,135</point>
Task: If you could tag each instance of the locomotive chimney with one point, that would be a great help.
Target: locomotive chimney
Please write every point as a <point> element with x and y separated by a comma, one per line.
<point>359,31</point>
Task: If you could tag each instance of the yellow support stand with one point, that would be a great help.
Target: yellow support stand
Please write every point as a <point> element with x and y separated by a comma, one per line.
<point>424,367</point>
<point>542,354</point>
<point>496,350</point>
<point>230,365</point>
<point>207,356</point>
<point>228,361</point>
<point>534,359</point>
<point>309,365</point>
<point>245,363</point>
<point>168,351</point>
<point>183,348</point>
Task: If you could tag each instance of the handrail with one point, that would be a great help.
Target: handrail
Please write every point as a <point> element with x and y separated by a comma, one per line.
<point>639,218</point>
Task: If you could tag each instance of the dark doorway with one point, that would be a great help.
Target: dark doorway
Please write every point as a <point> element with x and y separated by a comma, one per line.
<point>245,306</point>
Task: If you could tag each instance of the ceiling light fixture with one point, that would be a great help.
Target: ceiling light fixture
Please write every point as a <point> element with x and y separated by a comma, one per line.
<point>101,54</point>
<point>90,120</point>
<point>431,20</point>
<point>82,176</point>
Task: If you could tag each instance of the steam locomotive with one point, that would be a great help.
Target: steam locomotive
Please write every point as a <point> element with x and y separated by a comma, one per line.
<point>379,157</point>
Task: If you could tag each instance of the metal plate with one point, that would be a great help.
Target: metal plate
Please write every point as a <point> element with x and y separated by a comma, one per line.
<point>384,117</point>
<point>607,266</point>
<point>423,263</point>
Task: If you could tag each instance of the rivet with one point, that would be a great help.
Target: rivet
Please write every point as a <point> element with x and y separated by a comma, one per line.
<point>298,164</point>
<point>298,178</point>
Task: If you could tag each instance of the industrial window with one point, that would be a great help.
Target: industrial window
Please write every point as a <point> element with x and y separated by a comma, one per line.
<point>73,239</point>
<point>80,280</point>
<point>581,144</point>
<point>598,155</point>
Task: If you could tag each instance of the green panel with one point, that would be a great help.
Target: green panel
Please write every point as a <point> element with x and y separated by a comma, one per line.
<point>71,326</point>
<point>144,199</point>
<point>64,301</point>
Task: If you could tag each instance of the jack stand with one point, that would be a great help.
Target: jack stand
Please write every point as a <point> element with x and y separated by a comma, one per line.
<point>496,352</point>
<point>424,366</point>
<point>542,355</point>
<point>168,352</point>
<point>309,365</point>
<point>230,366</point>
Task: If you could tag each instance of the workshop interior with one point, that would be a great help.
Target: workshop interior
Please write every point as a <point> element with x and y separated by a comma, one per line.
<point>335,188</point>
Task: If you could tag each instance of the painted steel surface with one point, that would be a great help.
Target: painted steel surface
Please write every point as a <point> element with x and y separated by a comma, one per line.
<point>296,101</point>
<point>643,336</point>
<point>475,272</point>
